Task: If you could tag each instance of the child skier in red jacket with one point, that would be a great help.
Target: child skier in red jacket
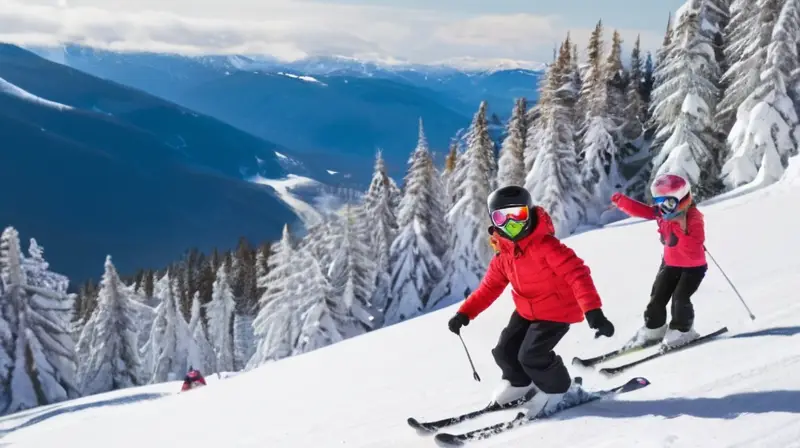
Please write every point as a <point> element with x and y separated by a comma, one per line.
<point>552,288</point>
<point>683,265</point>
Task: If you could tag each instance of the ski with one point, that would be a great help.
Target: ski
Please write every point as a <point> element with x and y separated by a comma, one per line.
<point>445,439</point>
<point>590,362</point>
<point>449,421</point>
<point>611,371</point>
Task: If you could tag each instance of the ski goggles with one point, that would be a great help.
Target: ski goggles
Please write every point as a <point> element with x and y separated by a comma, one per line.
<point>667,204</point>
<point>502,216</point>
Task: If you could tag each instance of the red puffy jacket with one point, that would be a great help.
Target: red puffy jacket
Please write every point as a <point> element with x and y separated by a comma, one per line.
<point>682,248</point>
<point>549,281</point>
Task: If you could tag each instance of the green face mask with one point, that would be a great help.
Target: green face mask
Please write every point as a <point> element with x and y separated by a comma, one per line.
<point>513,228</point>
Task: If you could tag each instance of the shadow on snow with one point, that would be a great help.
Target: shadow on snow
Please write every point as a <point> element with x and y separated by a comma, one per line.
<point>777,331</point>
<point>80,407</point>
<point>727,407</point>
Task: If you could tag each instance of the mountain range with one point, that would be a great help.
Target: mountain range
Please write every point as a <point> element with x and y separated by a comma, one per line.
<point>338,111</point>
<point>143,156</point>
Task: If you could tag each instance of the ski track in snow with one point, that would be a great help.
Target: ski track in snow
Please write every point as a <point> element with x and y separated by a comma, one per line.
<point>12,89</point>
<point>306,212</point>
<point>740,391</point>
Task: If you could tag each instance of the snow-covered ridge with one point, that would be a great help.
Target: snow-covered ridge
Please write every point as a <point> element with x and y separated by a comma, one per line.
<point>305,211</point>
<point>302,78</point>
<point>11,89</point>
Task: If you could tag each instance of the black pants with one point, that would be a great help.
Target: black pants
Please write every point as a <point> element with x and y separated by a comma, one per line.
<point>677,284</point>
<point>525,353</point>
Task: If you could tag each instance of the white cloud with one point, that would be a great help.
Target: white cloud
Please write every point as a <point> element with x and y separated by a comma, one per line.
<point>289,29</point>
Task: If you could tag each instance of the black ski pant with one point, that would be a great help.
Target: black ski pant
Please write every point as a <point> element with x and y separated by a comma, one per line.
<point>677,284</point>
<point>525,354</point>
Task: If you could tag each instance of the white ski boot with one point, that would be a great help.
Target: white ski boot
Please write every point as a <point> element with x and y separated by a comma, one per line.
<point>547,403</point>
<point>647,335</point>
<point>506,393</point>
<point>676,338</point>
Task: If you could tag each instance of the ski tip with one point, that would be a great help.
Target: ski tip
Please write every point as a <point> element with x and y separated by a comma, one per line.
<point>444,439</point>
<point>414,423</point>
<point>640,381</point>
<point>578,362</point>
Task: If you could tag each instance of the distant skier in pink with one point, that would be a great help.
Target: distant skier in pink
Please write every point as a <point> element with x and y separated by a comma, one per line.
<point>683,265</point>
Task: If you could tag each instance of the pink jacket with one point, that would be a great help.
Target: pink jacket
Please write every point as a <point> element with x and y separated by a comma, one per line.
<point>681,248</point>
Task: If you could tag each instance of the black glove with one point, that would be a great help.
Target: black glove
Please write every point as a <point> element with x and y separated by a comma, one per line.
<point>597,321</point>
<point>458,321</point>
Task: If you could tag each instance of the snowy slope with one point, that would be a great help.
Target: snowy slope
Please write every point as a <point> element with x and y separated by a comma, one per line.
<point>741,391</point>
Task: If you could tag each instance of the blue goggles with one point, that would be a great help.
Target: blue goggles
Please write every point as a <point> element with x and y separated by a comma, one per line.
<point>667,205</point>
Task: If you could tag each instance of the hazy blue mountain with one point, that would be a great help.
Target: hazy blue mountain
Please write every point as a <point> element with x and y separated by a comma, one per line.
<point>118,171</point>
<point>336,111</point>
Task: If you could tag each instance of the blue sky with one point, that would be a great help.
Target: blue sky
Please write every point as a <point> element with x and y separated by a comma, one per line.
<point>467,32</point>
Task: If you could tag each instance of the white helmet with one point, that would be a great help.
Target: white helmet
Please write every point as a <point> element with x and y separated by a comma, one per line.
<point>672,193</point>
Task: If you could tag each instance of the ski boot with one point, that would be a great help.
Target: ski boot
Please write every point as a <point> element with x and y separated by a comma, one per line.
<point>646,336</point>
<point>506,393</point>
<point>675,338</point>
<point>544,403</point>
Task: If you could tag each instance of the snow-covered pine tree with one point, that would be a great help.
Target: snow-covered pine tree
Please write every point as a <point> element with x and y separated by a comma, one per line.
<point>533,141</point>
<point>617,79</point>
<point>219,313</point>
<point>570,92</point>
<point>380,212</point>
<point>468,219</point>
<point>274,325</point>
<point>637,147</point>
<point>201,355</point>
<point>323,318</point>
<point>766,132</point>
<point>450,163</point>
<point>554,181</point>
<point>634,121</point>
<point>36,327</point>
<point>414,258</point>
<point>684,103</point>
<point>661,56</point>
<point>352,271</point>
<point>511,164</point>
<point>6,337</point>
<point>170,341</point>
<point>243,340</point>
<point>109,351</point>
<point>600,155</point>
<point>591,74</point>
<point>746,37</point>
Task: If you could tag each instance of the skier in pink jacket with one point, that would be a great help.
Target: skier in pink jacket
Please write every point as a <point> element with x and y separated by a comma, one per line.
<point>683,266</point>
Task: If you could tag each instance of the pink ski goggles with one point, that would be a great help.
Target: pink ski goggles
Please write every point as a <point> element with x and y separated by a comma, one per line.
<point>502,216</point>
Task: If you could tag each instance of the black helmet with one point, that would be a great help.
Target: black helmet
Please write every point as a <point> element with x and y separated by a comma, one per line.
<point>513,196</point>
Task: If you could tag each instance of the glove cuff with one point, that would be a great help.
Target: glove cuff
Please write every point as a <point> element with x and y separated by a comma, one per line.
<point>594,317</point>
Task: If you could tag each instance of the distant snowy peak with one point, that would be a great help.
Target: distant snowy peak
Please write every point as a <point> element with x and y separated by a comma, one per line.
<point>491,65</point>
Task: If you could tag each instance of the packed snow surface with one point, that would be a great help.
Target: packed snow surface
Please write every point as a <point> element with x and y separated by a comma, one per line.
<point>740,391</point>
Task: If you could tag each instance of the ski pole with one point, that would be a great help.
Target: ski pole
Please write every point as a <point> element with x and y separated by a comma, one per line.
<point>752,317</point>
<point>474,372</point>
